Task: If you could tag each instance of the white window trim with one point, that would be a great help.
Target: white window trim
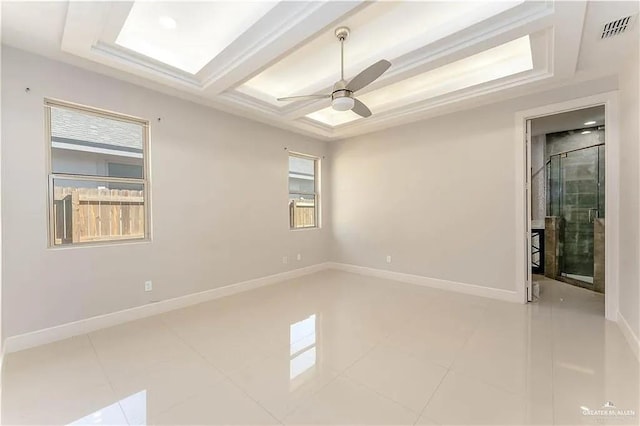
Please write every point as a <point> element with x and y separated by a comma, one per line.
<point>48,104</point>
<point>316,183</point>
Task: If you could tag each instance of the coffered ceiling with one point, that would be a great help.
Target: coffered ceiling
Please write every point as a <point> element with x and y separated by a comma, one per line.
<point>240,56</point>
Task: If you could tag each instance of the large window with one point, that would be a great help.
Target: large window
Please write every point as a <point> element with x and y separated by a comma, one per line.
<point>303,191</point>
<point>98,175</point>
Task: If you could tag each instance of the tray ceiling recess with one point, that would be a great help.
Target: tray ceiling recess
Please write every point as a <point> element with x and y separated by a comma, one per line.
<point>242,56</point>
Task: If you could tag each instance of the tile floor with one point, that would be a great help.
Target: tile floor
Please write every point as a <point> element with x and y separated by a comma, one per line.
<point>337,348</point>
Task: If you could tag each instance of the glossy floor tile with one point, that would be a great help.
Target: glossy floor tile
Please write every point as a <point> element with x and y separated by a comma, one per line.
<point>338,348</point>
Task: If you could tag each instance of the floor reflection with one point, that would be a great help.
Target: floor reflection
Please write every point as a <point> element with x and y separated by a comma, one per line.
<point>302,351</point>
<point>135,405</point>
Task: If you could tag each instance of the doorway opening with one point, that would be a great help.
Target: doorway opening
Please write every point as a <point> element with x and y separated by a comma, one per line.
<point>568,208</point>
<point>603,201</point>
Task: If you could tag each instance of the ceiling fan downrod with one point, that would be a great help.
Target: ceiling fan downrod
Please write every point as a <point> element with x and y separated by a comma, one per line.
<point>342,33</point>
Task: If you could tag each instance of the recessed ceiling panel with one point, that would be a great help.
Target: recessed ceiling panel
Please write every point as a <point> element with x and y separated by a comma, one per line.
<point>381,30</point>
<point>502,61</point>
<point>187,35</point>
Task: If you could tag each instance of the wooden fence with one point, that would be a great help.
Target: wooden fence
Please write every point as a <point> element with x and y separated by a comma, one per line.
<point>97,214</point>
<point>302,214</point>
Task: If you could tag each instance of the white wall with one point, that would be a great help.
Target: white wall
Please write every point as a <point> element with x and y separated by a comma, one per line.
<point>630,191</point>
<point>219,202</point>
<point>437,195</point>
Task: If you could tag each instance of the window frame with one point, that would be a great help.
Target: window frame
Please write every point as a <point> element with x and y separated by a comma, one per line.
<point>51,176</point>
<point>316,189</point>
<point>108,164</point>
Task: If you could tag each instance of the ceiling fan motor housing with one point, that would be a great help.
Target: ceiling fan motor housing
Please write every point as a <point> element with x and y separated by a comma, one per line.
<point>342,100</point>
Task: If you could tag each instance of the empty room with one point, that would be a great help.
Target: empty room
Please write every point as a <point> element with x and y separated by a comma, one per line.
<point>320,212</point>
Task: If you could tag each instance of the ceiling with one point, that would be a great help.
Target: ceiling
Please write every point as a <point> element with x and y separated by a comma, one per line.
<point>585,118</point>
<point>241,56</point>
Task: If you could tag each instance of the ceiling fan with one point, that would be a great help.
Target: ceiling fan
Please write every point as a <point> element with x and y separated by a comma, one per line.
<point>342,96</point>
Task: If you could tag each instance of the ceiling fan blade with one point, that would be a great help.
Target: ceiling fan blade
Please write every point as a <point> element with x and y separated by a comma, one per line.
<point>368,76</point>
<point>360,109</point>
<point>300,98</point>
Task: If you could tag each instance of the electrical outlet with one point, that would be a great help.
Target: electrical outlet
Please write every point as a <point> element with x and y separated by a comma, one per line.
<point>299,257</point>
<point>148,286</point>
<point>389,259</point>
<point>285,260</point>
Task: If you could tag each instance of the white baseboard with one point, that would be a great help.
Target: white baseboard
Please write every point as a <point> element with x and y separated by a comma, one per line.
<point>476,290</point>
<point>629,335</point>
<point>76,328</point>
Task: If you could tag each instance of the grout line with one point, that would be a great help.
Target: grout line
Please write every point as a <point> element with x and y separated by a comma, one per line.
<point>219,370</point>
<point>188,345</point>
<point>95,352</point>
<point>312,394</point>
<point>171,331</point>
<point>241,389</point>
<point>136,375</point>
<point>342,373</point>
<point>466,341</point>
<point>104,372</point>
<point>369,388</point>
<point>424,408</point>
<point>339,374</point>
<point>387,397</point>
<point>383,341</point>
<point>449,368</point>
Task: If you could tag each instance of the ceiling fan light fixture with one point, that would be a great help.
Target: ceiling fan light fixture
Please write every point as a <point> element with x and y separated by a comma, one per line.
<point>167,22</point>
<point>342,96</point>
<point>344,103</point>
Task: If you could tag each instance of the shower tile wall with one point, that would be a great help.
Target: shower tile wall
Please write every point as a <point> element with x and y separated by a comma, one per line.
<point>573,139</point>
<point>579,173</point>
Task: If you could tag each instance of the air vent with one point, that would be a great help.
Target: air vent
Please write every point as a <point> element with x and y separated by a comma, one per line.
<point>616,27</point>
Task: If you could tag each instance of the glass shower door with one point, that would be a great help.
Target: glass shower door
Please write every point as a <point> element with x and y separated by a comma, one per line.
<point>579,207</point>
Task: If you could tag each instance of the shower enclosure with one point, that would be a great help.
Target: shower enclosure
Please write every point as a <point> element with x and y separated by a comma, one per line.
<point>575,196</point>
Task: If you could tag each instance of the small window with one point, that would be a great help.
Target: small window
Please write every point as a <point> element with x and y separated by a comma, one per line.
<point>303,191</point>
<point>97,175</point>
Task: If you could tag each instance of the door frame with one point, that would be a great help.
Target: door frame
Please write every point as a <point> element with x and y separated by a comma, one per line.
<point>612,192</point>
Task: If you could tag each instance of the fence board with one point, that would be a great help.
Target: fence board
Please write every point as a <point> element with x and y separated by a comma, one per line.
<point>104,208</point>
<point>302,214</point>
<point>75,212</point>
<point>97,214</point>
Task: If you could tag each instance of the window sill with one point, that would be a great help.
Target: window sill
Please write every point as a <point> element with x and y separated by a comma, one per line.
<point>309,228</point>
<point>100,244</point>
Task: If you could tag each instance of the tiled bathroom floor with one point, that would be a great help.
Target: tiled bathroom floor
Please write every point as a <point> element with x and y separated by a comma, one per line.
<point>337,348</point>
